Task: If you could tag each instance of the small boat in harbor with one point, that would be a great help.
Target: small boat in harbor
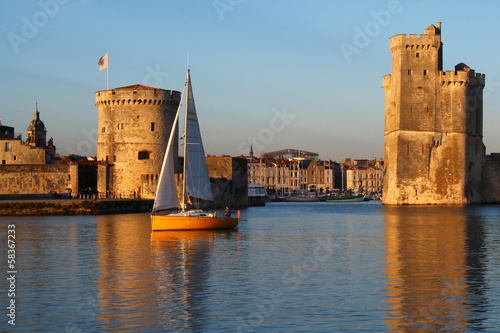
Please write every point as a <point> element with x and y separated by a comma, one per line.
<point>348,196</point>
<point>257,194</point>
<point>196,188</point>
<point>301,196</point>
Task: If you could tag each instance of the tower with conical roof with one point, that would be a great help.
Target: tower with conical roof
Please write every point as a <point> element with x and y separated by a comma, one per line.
<point>37,134</point>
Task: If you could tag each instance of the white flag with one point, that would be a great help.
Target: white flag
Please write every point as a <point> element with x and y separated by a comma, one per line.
<point>103,62</point>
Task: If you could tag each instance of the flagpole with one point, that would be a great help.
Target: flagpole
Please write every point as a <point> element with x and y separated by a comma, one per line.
<point>107,74</point>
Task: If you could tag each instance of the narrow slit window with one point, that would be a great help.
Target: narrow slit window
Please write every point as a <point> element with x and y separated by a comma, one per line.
<point>152,127</point>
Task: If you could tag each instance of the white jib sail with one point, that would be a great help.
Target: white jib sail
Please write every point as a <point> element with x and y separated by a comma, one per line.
<point>196,172</point>
<point>166,192</point>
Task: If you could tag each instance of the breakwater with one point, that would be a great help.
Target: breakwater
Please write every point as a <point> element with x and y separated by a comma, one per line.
<point>74,207</point>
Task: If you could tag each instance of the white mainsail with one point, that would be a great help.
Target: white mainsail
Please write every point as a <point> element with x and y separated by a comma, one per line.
<point>196,181</point>
<point>166,191</point>
<point>195,171</point>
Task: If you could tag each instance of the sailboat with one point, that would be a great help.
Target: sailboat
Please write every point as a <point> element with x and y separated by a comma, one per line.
<point>196,188</point>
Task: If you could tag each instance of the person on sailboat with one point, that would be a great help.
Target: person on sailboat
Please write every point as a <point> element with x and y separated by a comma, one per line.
<point>227,213</point>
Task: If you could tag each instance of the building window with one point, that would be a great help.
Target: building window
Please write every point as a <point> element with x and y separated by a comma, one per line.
<point>409,72</point>
<point>8,146</point>
<point>143,155</point>
<point>417,55</point>
<point>103,130</point>
<point>152,127</point>
<point>425,72</point>
<point>120,126</point>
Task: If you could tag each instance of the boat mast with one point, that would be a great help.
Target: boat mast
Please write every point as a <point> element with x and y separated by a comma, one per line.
<point>184,171</point>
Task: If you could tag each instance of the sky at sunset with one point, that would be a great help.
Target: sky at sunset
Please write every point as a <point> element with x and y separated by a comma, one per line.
<point>279,73</point>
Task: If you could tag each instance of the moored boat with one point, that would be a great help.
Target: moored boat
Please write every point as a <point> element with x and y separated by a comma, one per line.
<point>257,194</point>
<point>344,197</point>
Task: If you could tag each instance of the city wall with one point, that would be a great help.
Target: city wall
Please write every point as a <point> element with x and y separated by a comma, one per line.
<point>38,179</point>
<point>491,179</point>
<point>229,180</point>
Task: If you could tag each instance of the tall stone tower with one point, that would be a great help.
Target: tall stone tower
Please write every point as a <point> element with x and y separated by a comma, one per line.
<point>434,148</point>
<point>134,124</point>
<point>36,133</point>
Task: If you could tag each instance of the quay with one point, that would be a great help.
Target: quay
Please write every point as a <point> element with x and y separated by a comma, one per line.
<point>67,206</point>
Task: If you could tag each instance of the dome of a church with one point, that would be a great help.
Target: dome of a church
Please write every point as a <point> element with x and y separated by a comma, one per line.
<point>36,123</point>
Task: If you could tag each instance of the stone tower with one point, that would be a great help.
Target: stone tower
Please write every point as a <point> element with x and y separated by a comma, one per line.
<point>434,148</point>
<point>36,133</point>
<point>134,124</point>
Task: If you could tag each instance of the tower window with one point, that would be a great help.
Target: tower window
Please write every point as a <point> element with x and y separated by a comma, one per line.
<point>8,146</point>
<point>152,127</point>
<point>425,72</point>
<point>120,126</point>
<point>417,55</point>
<point>409,72</point>
<point>103,129</point>
<point>143,155</point>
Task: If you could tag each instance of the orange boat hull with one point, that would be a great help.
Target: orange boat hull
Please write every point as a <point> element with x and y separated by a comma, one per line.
<point>161,222</point>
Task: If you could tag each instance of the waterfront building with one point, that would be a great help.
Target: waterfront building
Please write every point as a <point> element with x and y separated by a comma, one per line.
<point>365,176</point>
<point>289,154</point>
<point>285,176</point>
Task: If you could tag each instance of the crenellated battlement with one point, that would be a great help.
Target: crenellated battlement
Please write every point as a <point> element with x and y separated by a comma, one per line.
<point>431,38</point>
<point>137,102</point>
<point>414,42</point>
<point>462,77</point>
<point>137,95</point>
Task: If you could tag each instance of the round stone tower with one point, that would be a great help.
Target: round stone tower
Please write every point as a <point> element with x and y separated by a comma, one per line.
<point>134,124</point>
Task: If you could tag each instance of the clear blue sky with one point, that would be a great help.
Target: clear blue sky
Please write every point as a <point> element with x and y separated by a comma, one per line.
<point>271,70</point>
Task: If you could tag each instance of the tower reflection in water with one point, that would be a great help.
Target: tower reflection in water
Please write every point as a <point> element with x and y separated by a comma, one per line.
<point>435,269</point>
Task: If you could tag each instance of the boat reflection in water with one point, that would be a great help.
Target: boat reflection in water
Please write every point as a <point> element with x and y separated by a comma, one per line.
<point>435,269</point>
<point>157,279</point>
<point>182,264</point>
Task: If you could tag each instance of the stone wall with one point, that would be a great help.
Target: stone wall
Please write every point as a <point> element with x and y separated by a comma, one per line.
<point>38,179</point>
<point>229,179</point>
<point>491,179</point>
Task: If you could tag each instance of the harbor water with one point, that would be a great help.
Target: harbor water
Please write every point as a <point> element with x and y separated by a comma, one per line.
<point>288,267</point>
